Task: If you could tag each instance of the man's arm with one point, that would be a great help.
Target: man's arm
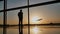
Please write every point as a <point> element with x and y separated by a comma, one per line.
<point>18,14</point>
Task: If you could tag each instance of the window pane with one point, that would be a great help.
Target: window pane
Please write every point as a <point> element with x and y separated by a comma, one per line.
<point>1,18</point>
<point>1,5</point>
<point>12,17</point>
<point>48,13</point>
<point>16,3</point>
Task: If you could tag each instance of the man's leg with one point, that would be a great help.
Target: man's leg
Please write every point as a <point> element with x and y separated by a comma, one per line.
<point>21,26</point>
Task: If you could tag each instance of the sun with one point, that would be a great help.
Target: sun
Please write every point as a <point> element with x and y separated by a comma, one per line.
<point>34,19</point>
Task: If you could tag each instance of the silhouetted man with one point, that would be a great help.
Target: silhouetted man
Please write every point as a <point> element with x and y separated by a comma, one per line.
<point>20,15</point>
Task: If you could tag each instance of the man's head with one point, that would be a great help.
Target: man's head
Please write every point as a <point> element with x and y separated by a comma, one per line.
<point>21,10</point>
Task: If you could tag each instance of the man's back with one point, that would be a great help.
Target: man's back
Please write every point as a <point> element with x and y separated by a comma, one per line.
<point>20,15</point>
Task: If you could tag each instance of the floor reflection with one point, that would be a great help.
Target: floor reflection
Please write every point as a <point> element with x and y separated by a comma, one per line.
<point>35,30</point>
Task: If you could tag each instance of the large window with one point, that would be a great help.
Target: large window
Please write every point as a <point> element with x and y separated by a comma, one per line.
<point>44,14</point>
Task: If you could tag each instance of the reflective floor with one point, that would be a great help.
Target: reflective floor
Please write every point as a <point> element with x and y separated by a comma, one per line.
<point>33,30</point>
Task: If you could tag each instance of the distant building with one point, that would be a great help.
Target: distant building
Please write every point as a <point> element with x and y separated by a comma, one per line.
<point>55,23</point>
<point>51,22</point>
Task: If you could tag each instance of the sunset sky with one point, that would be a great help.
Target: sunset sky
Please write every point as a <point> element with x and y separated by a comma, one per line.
<point>48,13</point>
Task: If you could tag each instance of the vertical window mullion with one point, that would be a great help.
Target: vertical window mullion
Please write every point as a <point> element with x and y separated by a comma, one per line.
<point>28,18</point>
<point>4,17</point>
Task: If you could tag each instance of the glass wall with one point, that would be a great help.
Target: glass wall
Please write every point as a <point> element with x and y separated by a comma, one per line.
<point>38,15</point>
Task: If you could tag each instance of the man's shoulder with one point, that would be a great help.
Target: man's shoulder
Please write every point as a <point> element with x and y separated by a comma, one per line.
<point>20,12</point>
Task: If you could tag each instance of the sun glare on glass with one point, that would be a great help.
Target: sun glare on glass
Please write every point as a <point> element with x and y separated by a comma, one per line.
<point>34,19</point>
